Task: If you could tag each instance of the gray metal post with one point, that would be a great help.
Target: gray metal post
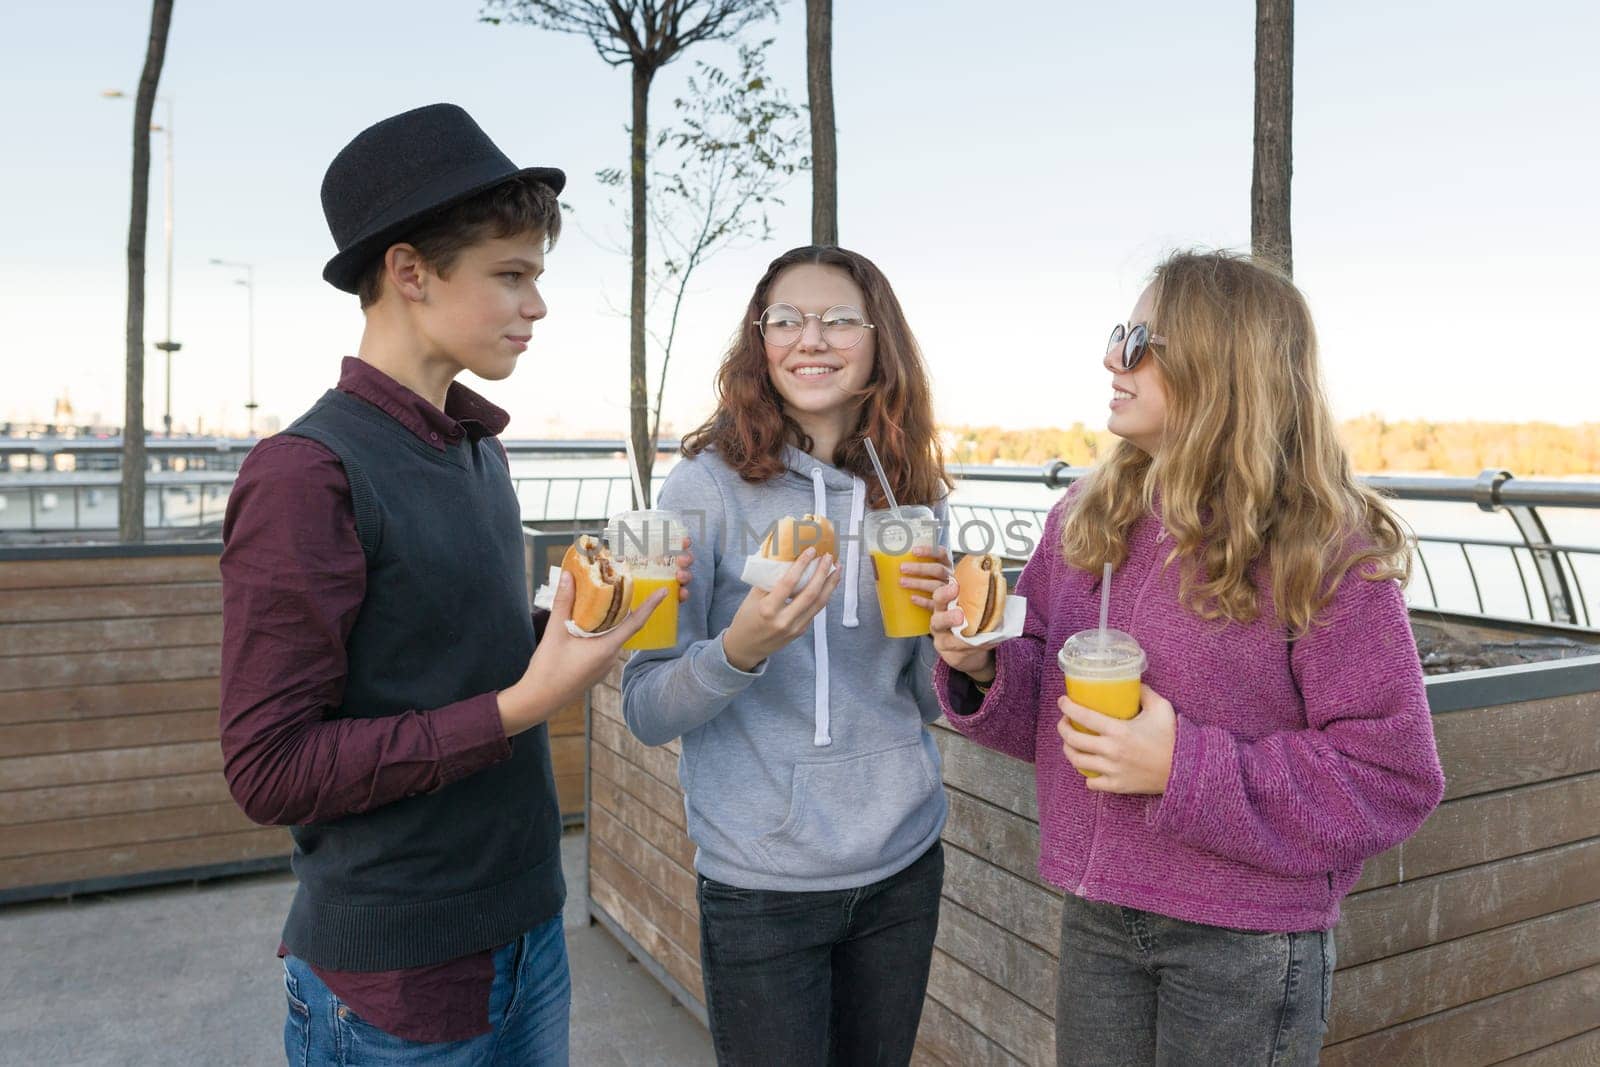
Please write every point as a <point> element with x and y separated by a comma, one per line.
<point>1557,593</point>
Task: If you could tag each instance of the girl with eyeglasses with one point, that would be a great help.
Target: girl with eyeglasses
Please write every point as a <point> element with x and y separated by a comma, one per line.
<point>812,787</point>
<point>1284,734</point>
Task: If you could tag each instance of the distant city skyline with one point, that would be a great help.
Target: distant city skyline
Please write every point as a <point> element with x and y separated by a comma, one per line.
<point>1016,180</point>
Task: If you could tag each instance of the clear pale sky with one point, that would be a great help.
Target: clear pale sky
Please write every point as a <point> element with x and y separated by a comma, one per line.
<point>1016,180</point>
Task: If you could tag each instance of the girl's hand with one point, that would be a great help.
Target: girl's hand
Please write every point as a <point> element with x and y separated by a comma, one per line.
<point>766,621</point>
<point>975,663</point>
<point>925,578</point>
<point>685,563</point>
<point>1130,756</point>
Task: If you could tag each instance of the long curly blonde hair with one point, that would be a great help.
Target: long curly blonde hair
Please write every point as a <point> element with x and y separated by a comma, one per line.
<point>1250,470</point>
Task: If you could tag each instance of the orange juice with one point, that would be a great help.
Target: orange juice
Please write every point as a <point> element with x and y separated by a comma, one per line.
<point>646,545</point>
<point>891,536</point>
<point>901,618</point>
<point>1103,673</point>
<point>1118,698</point>
<point>661,631</point>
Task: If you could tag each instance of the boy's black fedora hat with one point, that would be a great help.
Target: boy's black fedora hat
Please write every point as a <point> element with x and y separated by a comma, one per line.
<point>402,169</point>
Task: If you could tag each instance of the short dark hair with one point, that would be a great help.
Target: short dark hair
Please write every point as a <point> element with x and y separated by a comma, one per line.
<point>516,206</point>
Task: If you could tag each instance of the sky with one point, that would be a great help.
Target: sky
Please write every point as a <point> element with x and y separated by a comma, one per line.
<point>1016,170</point>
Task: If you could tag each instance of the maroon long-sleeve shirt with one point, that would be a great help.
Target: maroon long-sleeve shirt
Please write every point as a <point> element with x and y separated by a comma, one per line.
<point>293,580</point>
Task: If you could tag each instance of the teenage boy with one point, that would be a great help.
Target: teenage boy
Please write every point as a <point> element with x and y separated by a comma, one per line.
<point>384,687</point>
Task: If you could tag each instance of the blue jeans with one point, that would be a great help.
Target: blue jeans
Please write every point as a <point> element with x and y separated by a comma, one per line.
<point>529,1005</point>
<point>806,979</point>
<point>1139,988</point>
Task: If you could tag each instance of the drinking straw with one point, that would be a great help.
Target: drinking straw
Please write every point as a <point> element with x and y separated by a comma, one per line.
<point>1105,603</point>
<point>883,479</point>
<point>633,469</point>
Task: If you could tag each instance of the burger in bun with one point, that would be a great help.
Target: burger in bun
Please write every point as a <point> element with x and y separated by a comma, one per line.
<point>602,592</point>
<point>791,536</point>
<point>982,592</point>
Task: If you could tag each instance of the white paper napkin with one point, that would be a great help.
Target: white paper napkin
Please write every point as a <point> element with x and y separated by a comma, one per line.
<point>1011,622</point>
<point>763,573</point>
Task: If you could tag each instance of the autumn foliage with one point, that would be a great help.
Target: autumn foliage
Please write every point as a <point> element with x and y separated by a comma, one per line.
<point>1527,449</point>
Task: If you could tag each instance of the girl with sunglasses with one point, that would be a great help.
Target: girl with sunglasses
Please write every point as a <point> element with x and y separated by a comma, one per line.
<point>812,788</point>
<point>1284,735</point>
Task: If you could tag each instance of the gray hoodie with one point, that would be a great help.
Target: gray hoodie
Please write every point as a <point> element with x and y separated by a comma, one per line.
<point>815,771</point>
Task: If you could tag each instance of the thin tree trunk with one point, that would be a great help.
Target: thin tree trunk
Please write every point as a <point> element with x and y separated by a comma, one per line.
<point>1274,157</point>
<point>824,149</point>
<point>638,386</point>
<point>130,497</point>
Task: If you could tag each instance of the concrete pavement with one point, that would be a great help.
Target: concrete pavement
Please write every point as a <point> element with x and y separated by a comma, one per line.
<point>186,974</point>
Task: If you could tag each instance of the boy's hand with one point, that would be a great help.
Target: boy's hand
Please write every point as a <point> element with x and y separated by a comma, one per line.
<point>766,621</point>
<point>975,663</point>
<point>564,667</point>
<point>1128,755</point>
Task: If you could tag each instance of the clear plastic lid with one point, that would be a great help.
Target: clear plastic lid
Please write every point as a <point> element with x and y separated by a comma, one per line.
<point>896,531</point>
<point>1086,655</point>
<point>643,537</point>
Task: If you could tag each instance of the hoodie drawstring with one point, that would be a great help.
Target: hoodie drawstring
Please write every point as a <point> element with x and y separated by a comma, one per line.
<point>819,631</point>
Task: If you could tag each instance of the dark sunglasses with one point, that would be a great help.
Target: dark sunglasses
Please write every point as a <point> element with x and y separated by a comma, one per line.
<point>1135,343</point>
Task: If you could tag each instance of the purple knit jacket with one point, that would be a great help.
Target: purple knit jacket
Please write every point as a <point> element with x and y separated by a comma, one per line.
<point>1294,762</point>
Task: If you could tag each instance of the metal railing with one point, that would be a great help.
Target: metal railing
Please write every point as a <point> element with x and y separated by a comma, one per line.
<point>1499,490</point>
<point>64,454</point>
<point>69,484</point>
<point>1555,567</point>
<point>1545,575</point>
<point>87,500</point>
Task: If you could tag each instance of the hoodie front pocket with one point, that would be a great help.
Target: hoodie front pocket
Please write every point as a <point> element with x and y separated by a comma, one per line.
<point>855,814</point>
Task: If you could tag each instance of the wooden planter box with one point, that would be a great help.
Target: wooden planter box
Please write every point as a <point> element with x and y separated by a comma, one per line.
<point>1475,942</point>
<point>110,772</point>
<point>110,768</point>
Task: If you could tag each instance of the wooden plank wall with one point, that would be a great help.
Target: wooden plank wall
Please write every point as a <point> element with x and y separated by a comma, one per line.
<point>641,862</point>
<point>109,763</point>
<point>1476,942</point>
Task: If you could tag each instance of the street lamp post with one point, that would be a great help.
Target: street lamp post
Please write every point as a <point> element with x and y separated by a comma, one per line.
<point>168,346</point>
<point>249,283</point>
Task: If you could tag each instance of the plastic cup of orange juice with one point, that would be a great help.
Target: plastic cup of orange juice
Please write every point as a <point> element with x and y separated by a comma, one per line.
<point>891,535</point>
<point>646,545</point>
<point>1103,672</point>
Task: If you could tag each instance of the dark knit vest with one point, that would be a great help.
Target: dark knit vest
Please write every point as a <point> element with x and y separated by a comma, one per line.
<point>477,863</point>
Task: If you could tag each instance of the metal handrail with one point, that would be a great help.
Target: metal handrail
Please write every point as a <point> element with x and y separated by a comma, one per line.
<point>1560,587</point>
<point>1492,490</point>
<point>238,448</point>
<point>241,445</point>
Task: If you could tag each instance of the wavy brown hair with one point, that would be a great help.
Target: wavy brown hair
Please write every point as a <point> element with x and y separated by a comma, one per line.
<point>751,427</point>
<point>1250,470</point>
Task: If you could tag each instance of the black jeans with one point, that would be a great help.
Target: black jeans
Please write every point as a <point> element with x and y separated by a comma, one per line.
<point>1138,988</point>
<point>819,978</point>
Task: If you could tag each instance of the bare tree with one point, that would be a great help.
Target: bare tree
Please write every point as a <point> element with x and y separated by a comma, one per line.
<point>1274,158</point>
<point>824,147</point>
<point>717,168</point>
<point>644,35</point>
<point>130,498</point>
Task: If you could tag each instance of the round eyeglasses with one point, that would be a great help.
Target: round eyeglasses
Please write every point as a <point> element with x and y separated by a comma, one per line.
<point>1135,343</point>
<point>842,326</point>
